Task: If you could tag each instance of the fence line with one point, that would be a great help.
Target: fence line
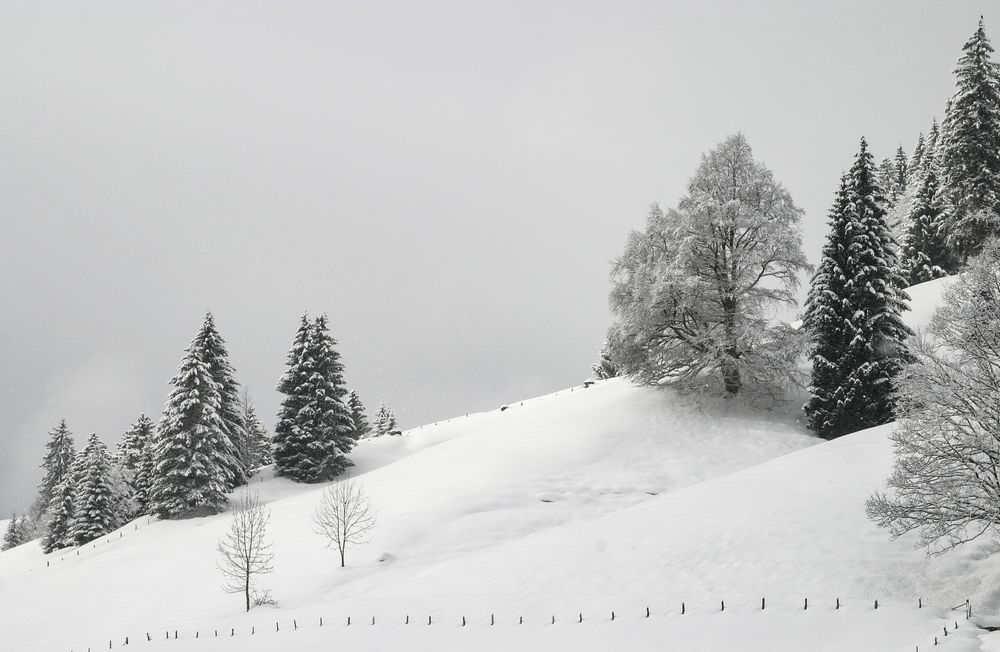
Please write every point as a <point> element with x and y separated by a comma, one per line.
<point>608,617</point>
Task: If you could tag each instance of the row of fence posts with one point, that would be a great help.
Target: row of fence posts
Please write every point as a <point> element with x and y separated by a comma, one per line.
<point>93,544</point>
<point>967,607</point>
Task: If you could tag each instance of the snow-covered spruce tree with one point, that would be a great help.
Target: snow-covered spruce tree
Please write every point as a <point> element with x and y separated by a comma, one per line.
<point>13,536</point>
<point>943,484</point>
<point>237,445</point>
<point>694,291</point>
<point>259,449</point>
<point>59,452</point>
<point>384,422</point>
<point>314,430</point>
<point>605,367</point>
<point>192,463</point>
<point>972,148</point>
<point>59,516</point>
<point>94,512</point>
<point>361,425</point>
<point>901,167</point>
<point>916,159</point>
<point>295,386</point>
<point>926,254</point>
<point>136,453</point>
<point>852,315</point>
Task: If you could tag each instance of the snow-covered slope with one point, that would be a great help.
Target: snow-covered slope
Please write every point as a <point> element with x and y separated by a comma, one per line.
<point>609,498</point>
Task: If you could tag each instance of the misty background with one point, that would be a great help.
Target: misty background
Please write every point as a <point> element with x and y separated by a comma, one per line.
<point>448,182</point>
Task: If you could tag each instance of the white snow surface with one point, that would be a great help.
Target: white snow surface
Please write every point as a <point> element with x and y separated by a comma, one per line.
<point>612,498</point>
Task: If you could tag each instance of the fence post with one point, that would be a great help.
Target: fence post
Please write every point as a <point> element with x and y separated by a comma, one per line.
<point>428,620</point>
<point>762,604</point>
<point>463,621</point>
<point>838,603</point>
<point>581,618</point>
<point>876,603</point>
<point>723,606</point>
<point>682,608</point>
<point>295,624</point>
<point>647,612</point>
<point>920,603</point>
<point>492,620</point>
<point>407,619</point>
<point>805,605</point>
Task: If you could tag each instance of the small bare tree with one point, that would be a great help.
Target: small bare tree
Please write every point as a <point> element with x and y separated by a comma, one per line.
<point>344,516</point>
<point>243,552</point>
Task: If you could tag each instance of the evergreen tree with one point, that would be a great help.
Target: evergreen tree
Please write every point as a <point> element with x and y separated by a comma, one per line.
<point>59,516</point>
<point>236,445</point>
<point>59,451</point>
<point>605,366</point>
<point>853,311</point>
<point>916,159</point>
<point>971,149</point>
<point>192,455</point>
<point>294,385</point>
<point>901,173</point>
<point>361,425</point>
<point>136,452</point>
<point>926,254</point>
<point>385,421</point>
<point>14,535</point>
<point>94,506</point>
<point>314,431</point>
<point>259,449</point>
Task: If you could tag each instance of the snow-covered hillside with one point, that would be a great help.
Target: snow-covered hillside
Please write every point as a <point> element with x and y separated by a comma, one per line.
<point>611,498</point>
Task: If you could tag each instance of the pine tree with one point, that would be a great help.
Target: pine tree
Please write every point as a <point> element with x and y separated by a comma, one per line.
<point>314,431</point>
<point>901,173</point>
<point>236,445</point>
<point>926,254</point>
<point>13,536</point>
<point>605,366</point>
<point>94,506</point>
<point>294,385</point>
<point>136,452</point>
<point>192,456</point>
<point>59,451</point>
<point>916,159</point>
<point>259,448</point>
<point>385,421</point>
<point>971,149</point>
<point>853,311</point>
<point>59,516</point>
<point>357,408</point>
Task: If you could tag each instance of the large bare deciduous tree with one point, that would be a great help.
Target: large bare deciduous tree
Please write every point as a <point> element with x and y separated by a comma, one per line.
<point>344,516</point>
<point>243,552</point>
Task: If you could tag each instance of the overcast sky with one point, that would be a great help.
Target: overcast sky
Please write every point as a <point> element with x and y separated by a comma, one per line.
<point>447,180</point>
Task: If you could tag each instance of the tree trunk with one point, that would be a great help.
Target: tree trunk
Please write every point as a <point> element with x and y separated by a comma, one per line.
<point>341,557</point>
<point>730,366</point>
<point>246,591</point>
<point>731,375</point>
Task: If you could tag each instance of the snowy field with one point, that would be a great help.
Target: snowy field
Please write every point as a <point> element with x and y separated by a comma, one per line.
<point>607,499</point>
